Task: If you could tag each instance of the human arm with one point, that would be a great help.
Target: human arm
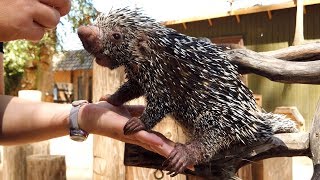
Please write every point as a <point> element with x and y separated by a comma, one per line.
<point>28,19</point>
<point>24,121</point>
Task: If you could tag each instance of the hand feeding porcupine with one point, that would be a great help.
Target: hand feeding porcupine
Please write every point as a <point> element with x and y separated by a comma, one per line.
<point>187,77</point>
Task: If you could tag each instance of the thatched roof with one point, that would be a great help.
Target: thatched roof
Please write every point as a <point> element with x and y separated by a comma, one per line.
<point>72,60</point>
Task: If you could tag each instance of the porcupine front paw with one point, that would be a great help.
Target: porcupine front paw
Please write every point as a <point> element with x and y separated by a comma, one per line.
<point>179,159</point>
<point>133,125</point>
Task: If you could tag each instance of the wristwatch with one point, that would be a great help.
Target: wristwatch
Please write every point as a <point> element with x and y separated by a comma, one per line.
<point>76,133</point>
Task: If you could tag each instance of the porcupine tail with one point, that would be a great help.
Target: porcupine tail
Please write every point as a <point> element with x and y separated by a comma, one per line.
<point>279,123</point>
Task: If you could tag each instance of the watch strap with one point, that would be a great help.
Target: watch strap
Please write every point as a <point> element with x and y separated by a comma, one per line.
<point>75,130</point>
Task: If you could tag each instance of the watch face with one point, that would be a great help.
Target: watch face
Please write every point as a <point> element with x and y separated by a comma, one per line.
<point>78,135</point>
<point>78,138</point>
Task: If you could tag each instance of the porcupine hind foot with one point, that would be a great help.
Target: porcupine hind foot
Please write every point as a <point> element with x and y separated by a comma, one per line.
<point>181,157</point>
<point>133,125</point>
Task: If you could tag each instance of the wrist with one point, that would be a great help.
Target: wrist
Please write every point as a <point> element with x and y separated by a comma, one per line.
<point>85,119</point>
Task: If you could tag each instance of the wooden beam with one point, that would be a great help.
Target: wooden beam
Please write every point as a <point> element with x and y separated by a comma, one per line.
<point>269,15</point>
<point>210,22</point>
<point>184,26</point>
<point>282,4</point>
<point>238,18</point>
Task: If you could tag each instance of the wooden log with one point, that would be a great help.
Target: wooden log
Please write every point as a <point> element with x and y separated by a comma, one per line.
<point>315,143</point>
<point>15,158</point>
<point>48,167</point>
<point>107,152</point>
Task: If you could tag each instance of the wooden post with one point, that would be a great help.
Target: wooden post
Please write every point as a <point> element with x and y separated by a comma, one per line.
<point>315,143</point>
<point>298,36</point>
<point>107,152</point>
<point>15,157</point>
<point>48,167</point>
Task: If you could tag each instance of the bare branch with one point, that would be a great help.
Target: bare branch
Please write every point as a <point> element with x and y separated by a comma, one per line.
<point>305,52</point>
<point>276,69</point>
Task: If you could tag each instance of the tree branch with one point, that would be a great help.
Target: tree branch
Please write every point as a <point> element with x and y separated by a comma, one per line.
<point>305,52</point>
<point>276,69</point>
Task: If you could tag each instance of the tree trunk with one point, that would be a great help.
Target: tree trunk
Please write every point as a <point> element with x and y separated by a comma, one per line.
<point>45,79</point>
<point>298,35</point>
<point>46,167</point>
<point>15,159</point>
<point>107,152</point>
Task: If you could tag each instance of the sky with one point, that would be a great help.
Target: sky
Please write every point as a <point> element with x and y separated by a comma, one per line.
<point>164,10</point>
<point>160,10</point>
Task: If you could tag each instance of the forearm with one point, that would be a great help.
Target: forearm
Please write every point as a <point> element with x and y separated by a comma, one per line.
<point>24,121</point>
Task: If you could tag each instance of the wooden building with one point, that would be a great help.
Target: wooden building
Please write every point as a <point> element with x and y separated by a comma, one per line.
<point>72,76</point>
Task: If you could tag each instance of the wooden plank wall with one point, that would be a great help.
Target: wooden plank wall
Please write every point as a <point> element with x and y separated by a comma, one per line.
<point>72,77</point>
<point>263,34</point>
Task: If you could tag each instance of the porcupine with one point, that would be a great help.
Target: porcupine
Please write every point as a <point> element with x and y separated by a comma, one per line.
<point>184,76</point>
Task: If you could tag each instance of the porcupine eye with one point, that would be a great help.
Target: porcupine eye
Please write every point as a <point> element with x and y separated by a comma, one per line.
<point>116,36</point>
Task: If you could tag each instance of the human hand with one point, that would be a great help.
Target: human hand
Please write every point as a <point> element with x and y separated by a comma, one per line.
<point>105,119</point>
<point>28,19</point>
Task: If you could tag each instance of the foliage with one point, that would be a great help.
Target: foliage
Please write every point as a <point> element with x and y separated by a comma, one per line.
<point>18,53</point>
<point>82,13</point>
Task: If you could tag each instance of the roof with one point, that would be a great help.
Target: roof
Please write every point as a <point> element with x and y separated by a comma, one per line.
<point>72,60</point>
<point>237,8</point>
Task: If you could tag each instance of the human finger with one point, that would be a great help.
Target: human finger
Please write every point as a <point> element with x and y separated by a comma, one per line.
<point>33,33</point>
<point>46,16</point>
<point>63,6</point>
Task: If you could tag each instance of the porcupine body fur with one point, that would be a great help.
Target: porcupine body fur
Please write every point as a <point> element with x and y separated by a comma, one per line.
<point>189,78</point>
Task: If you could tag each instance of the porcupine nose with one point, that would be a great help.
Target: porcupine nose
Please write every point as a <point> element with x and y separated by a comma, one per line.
<point>89,36</point>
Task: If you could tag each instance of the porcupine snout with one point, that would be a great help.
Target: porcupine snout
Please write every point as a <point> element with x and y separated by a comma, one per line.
<point>89,36</point>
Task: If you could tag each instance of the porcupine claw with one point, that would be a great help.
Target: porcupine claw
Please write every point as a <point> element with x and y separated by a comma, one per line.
<point>133,125</point>
<point>178,160</point>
